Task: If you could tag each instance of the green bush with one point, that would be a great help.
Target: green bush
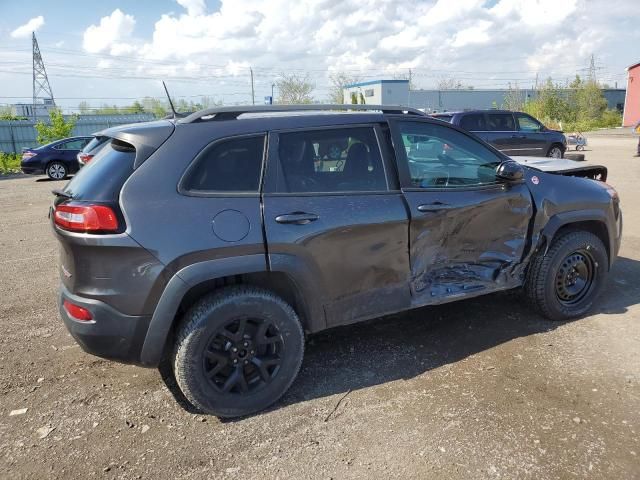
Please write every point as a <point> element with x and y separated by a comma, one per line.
<point>9,163</point>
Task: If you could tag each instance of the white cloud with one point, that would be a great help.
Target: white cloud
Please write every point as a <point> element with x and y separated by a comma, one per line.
<point>479,42</point>
<point>193,7</point>
<point>477,34</point>
<point>110,35</point>
<point>23,31</point>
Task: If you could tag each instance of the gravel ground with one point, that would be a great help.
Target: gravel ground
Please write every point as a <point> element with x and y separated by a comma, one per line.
<point>476,389</point>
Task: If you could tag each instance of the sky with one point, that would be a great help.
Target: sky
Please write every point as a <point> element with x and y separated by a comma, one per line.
<point>115,51</point>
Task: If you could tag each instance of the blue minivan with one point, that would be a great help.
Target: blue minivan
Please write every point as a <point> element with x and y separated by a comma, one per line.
<point>513,133</point>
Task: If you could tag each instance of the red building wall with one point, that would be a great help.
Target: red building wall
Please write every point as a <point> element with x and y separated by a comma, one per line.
<point>632,101</point>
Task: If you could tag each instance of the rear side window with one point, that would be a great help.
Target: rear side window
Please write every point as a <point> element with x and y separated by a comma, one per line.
<point>500,122</point>
<point>473,122</point>
<point>331,160</point>
<point>102,179</point>
<point>231,165</point>
<point>72,145</point>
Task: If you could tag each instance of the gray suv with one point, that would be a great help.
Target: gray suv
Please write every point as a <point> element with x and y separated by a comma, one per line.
<point>219,240</point>
<point>513,133</point>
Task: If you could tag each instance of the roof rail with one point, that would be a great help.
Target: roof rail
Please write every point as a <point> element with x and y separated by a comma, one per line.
<point>231,113</point>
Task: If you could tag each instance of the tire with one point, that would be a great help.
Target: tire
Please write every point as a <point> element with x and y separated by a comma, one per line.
<point>555,151</point>
<point>579,148</point>
<point>57,171</point>
<point>266,360</point>
<point>549,277</point>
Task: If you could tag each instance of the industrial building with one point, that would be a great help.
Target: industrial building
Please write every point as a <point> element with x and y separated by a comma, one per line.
<point>631,114</point>
<point>397,92</point>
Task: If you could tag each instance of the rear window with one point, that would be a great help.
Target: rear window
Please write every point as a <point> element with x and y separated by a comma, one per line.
<point>231,165</point>
<point>95,142</point>
<point>102,179</point>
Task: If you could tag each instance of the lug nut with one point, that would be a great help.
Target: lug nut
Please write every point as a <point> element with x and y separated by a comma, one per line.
<point>235,360</point>
<point>246,362</point>
<point>234,349</point>
<point>246,344</point>
<point>253,352</point>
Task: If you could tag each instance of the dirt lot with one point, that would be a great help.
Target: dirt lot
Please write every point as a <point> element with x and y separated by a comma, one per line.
<point>478,389</point>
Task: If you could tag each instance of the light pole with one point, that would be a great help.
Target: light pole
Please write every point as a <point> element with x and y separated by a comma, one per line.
<point>272,87</point>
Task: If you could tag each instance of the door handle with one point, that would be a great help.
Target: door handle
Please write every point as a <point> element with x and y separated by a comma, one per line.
<point>297,218</point>
<point>518,136</point>
<point>434,207</point>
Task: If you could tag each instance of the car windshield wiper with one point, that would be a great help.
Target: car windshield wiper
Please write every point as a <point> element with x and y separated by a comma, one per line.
<point>59,193</point>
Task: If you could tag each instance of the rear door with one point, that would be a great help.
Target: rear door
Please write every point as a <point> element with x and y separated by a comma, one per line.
<point>533,137</point>
<point>475,123</point>
<point>332,207</point>
<point>502,133</point>
<point>468,229</point>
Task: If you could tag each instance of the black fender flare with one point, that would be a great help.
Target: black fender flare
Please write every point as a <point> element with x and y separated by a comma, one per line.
<point>559,220</point>
<point>194,274</point>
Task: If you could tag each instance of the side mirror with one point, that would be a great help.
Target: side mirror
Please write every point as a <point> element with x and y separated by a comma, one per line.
<point>510,171</point>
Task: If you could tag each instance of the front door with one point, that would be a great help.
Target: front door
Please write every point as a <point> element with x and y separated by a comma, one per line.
<point>533,136</point>
<point>468,229</point>
<point>332,205</point>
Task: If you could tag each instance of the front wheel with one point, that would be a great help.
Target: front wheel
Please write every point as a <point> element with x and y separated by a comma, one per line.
<point>238,350</point>
<point>564,283</point>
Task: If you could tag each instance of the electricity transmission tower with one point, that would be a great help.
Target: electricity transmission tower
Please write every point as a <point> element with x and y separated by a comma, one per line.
<point>41,87</point>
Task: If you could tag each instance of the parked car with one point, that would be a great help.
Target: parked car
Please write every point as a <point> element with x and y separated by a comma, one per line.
<point>217,241</point>
<point>513,133</point>
<point>90,149</point>
<point>56,159</point>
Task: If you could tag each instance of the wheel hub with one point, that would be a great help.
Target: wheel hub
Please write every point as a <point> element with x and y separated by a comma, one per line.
<point>574,277</point>
<point>243,356</point>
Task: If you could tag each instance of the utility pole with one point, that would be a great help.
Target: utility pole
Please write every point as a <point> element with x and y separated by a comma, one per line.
<point>409,94</point>
<point>40,80</point>
<point>253,94</point>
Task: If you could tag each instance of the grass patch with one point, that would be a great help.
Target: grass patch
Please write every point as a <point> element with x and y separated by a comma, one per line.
<point>9,163</point>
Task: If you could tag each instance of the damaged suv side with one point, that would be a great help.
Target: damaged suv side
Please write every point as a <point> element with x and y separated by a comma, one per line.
<point>217,241</point>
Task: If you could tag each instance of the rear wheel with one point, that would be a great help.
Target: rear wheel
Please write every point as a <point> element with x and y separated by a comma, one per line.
<point>555,152</point>
<point>565,282</point>
<point>238,351</point>
<point>57,171</point>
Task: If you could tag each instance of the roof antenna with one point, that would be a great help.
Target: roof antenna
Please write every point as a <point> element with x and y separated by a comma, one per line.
<point>175,114</point>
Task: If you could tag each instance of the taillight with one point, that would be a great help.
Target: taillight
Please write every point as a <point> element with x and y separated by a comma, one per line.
<point>84,158</point>
<point>77,312</point>
<point>86,218</point>
<point>28,155</point>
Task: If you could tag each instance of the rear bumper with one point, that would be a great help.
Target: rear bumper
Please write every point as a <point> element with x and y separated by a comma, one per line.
<point>110,334</point>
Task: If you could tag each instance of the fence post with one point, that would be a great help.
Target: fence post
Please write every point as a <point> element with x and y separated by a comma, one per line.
<point>13,140</point>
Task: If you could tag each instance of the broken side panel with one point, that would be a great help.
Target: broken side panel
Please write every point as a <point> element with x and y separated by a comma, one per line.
<point>464,243</point>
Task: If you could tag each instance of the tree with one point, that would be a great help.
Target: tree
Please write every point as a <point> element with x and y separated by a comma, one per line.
<point>362,101</point>
<point>84,107</point>
<point>56,129</point>
<point>450,84</point>
<point>513,100</point>
<point>339,81</point>
<point>294,89</point>
<point>354,98</point>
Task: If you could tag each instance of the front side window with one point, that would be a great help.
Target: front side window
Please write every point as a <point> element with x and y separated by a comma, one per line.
<point>442,157</point>
<point>331,160</point>
<point>232,165</point>
<point>500,122</point>
<point>528,124</point>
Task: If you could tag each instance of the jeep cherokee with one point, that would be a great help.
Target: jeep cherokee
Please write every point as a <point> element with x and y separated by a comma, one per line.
<point>218,240</point>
